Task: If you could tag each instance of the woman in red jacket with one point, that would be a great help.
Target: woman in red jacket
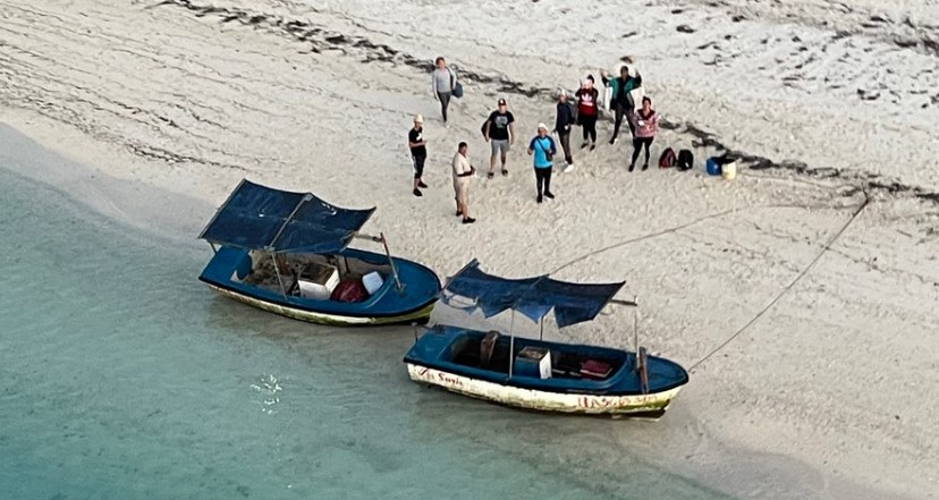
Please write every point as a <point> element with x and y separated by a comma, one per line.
<point>587,111</point>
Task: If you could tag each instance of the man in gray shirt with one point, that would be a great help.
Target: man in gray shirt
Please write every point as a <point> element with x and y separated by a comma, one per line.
<point>443,80</point>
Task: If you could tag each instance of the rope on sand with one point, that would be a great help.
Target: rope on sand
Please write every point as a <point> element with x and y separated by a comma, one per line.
<point>788,287</point>
<point>675,229</point>
<point>640,238</point>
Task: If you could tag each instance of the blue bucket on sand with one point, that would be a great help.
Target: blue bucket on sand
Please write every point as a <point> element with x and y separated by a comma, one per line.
<point>712,166</point>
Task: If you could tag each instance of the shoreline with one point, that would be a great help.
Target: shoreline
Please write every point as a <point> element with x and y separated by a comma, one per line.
<point>112,202</point>
<point>247,104</point>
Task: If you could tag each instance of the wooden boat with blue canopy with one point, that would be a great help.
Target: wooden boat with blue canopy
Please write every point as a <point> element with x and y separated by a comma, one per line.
<point>287,253</point>
<point>538,374</point>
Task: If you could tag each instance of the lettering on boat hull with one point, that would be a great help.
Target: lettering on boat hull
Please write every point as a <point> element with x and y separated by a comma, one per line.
<point>644,404</point>
<point>324,318</point>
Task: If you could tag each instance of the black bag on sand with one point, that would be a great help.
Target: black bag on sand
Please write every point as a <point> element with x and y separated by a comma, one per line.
<point>685,159</point>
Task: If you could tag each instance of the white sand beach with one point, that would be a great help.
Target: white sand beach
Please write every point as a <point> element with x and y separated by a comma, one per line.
<point>829,394</point>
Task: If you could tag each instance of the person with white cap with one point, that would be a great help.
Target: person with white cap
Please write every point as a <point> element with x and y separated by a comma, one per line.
<point>462,173</point>
<point>499,131</point>
<point>418,146</point>
<point>543,148</point>
<point>563,125</point>
<point>588,111</point>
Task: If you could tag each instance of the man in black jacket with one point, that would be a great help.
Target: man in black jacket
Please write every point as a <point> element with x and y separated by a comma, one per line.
<point>562,126</point>
<point>622,99</point>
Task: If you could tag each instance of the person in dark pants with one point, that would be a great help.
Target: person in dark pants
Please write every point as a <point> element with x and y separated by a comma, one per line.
<point>443,80</point>
<point>622,99</point>
<point>587,111</point>
<point>543,148</point>
<point>418,146</point>
<point>562,125</point>
<point>646,121</point>
<point>499,131</point>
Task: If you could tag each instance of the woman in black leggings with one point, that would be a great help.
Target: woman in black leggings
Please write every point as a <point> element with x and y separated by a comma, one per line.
<point>646,121</point>
<point>587,111</point>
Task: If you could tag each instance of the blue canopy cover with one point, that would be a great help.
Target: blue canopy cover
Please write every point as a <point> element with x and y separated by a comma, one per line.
<point>259,217</point>
<point>533,297</point>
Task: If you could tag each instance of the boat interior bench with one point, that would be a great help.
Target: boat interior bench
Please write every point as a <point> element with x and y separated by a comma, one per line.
<point>305,272</point>
<point>492,353</point>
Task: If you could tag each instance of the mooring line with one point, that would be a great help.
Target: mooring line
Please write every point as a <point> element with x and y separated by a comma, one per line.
<point>686,225</point>
<point>788,287</point>
<point>640,238</point>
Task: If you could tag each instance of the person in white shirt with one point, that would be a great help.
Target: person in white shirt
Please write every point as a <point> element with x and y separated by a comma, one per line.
<point>462,173</point>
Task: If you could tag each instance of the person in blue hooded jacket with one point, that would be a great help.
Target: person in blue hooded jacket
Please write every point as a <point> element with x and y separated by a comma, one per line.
<point>622,100</point>
<point>543,148</point>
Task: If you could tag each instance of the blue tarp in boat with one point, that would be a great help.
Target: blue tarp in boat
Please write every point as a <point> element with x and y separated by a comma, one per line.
<point>533,297</point>
<point>259,217</point>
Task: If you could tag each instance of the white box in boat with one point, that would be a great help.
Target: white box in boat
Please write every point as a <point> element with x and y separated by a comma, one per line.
<point>317,281</point>
<point>533,361</point>
<point>372,282</point>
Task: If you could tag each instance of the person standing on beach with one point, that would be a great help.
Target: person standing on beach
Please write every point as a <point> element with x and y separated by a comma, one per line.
<point>418,146</point>
<point>587,111</point>
<point>499,131</point>
<point>562,125</point>
<point>622,100</point>
<point>462,173</point>
<point>543,148</point>
<point>647,123</point>
<point>443,80</point>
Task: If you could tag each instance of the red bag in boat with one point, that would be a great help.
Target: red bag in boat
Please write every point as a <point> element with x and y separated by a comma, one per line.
<point>351,290</point>
<point>595,369</point>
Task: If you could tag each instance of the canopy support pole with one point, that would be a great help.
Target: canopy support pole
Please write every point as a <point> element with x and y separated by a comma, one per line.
<point>512,344</point>
<point>394,270</point>
<point>541,334</point>
<point>636,335</point>
<point>283,226</point>
<point>643,370</point>
<point>283,290</point>
<point>214,250</point>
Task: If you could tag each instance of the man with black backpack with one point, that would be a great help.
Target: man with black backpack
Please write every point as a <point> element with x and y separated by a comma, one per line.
<point>562,125</point>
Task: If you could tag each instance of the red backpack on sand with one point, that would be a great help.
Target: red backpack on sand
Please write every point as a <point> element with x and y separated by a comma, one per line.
<point>668,159</point>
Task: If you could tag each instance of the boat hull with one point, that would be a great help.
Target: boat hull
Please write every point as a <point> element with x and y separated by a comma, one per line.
<point>646,405</point>
<point>419,315</point>
<point>387,305</point>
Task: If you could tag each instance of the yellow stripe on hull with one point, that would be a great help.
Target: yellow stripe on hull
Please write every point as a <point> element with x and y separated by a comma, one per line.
<point>325,318</point>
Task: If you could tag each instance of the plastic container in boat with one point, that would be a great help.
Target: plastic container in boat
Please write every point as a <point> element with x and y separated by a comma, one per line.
<point>372,282</point>
<point>317,281</point>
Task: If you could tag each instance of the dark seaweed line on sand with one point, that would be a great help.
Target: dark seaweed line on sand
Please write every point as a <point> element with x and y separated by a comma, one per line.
<point>321,39</point>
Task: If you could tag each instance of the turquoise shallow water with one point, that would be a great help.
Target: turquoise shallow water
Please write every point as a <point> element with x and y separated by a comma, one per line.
<point>121,376</point>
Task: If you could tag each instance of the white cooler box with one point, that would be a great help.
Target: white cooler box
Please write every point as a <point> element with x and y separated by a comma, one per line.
<point>317,281</point>
<point>372,282</point>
